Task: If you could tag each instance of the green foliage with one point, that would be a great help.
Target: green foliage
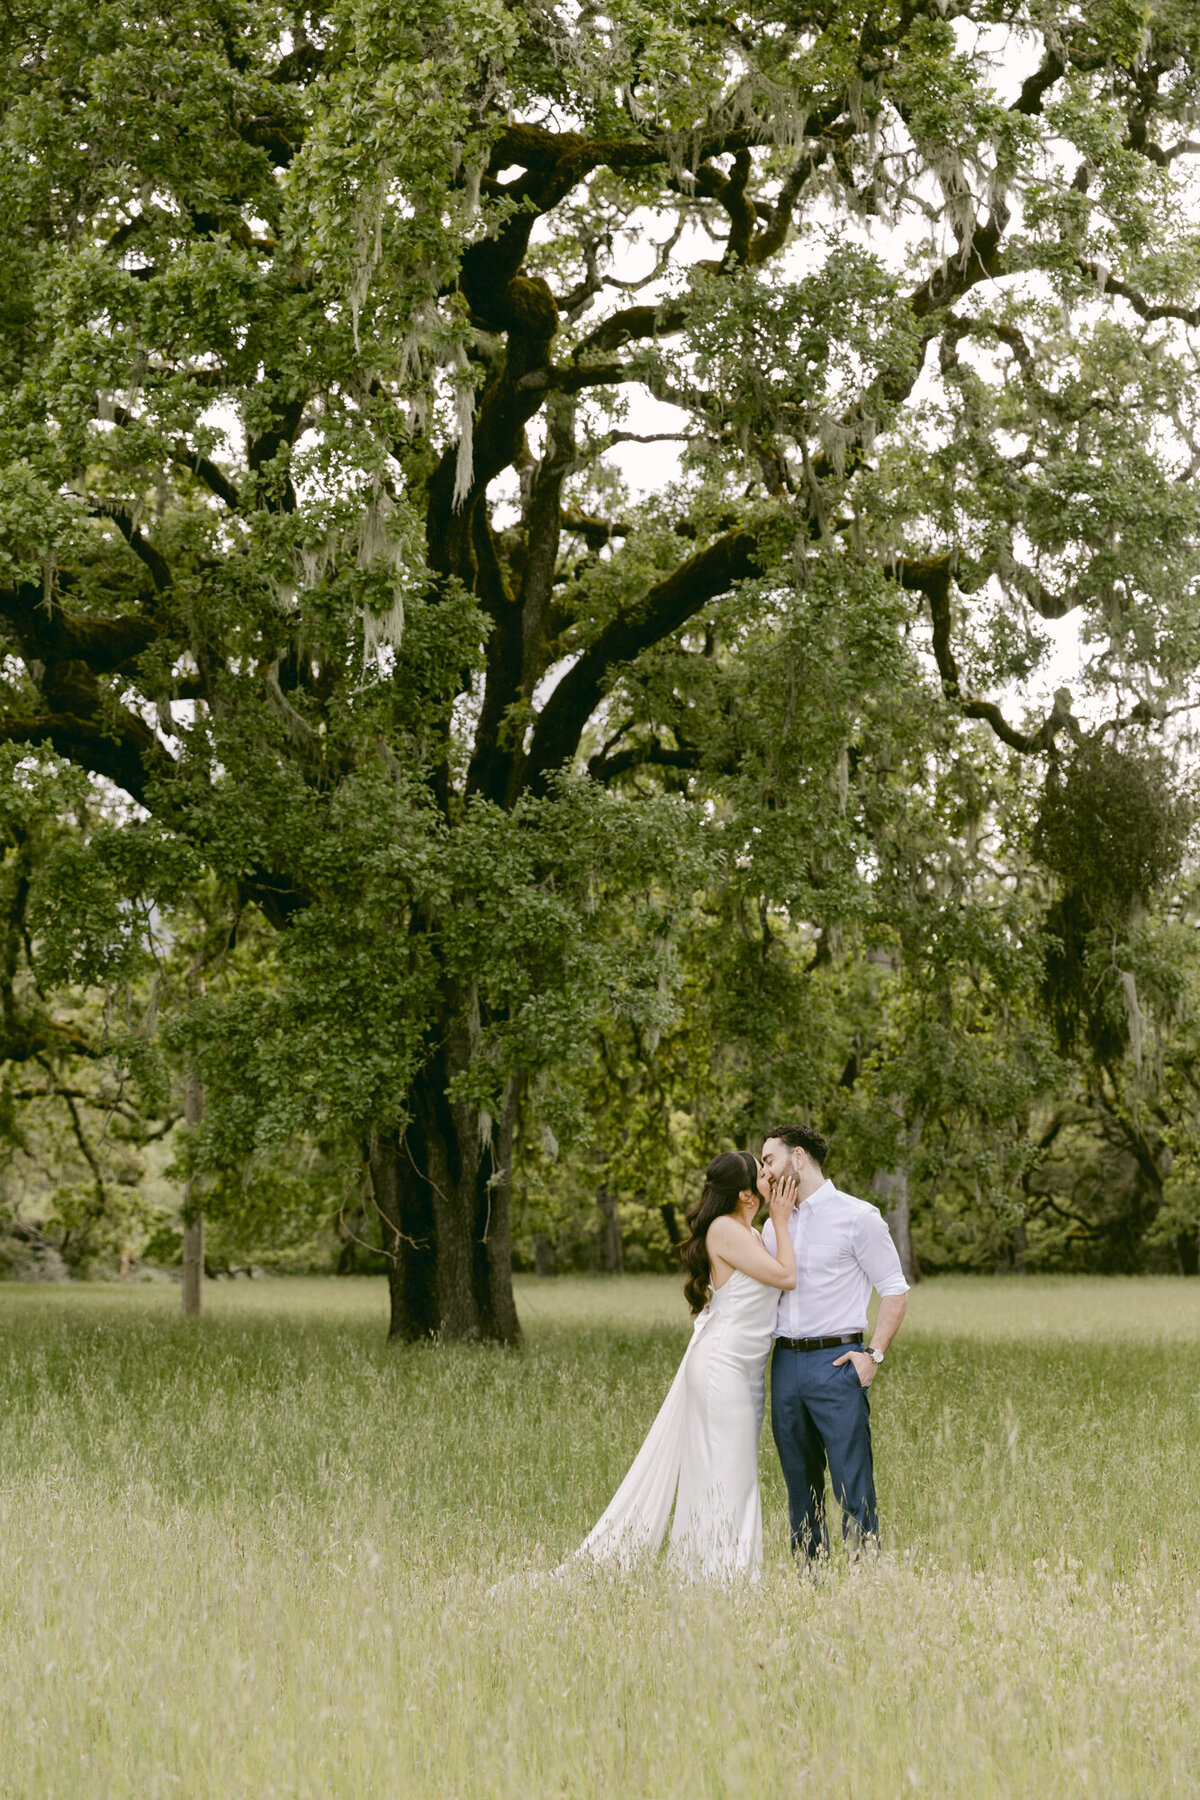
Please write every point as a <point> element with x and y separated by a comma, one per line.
<point>381,756</point>
<point>1113,825</point>
<point>1113,828</point>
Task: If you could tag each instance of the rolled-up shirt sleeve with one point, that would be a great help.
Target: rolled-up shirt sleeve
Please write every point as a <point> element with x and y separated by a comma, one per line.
<point>876,1253</point>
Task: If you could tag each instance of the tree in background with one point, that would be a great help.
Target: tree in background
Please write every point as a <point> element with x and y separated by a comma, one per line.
<point>78,1084</point>
<point>1119,986</point>
<point>106,937</point>
<point>321,332</point>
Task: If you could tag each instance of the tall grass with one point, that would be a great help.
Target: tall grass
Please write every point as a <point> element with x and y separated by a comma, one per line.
<point>253,1559</point>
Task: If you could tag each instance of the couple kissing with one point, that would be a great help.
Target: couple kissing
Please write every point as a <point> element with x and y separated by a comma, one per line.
<point>800,1288</point>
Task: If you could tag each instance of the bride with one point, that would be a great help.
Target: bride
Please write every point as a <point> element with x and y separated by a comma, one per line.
<point>702,1449</point>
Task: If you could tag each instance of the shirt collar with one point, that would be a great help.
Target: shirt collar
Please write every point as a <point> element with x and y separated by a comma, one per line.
<point>826,1191</point>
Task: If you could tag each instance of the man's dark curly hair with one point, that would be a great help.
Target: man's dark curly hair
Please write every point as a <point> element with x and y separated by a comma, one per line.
<point>801,1137</point>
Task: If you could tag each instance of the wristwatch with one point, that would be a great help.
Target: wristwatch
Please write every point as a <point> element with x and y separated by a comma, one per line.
<point>876,1356</point>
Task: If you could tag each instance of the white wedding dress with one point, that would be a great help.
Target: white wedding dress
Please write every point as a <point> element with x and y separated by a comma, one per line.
<point>702,1450</point>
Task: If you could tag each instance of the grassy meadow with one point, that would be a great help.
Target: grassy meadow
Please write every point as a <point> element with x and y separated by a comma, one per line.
<point>253,1558</point>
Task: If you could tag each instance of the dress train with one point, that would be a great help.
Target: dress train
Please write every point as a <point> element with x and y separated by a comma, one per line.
<point>701,1451</point>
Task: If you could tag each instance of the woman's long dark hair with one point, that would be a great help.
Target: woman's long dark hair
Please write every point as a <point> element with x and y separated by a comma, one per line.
<point>725,1178</point>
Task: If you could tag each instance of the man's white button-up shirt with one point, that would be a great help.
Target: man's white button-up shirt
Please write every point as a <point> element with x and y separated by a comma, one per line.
<point>843,1250</point>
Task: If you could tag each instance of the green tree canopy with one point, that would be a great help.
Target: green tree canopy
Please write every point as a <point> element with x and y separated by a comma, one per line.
<point>322,332</point>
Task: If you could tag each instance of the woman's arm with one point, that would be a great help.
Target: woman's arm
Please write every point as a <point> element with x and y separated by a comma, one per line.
<point>782,1205</point>
<point>745,1250</point>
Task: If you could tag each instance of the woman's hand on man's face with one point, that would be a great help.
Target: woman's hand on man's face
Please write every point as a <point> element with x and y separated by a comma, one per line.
<point>783,1197</point>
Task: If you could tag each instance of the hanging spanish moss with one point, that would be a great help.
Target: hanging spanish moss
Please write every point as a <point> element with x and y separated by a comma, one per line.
<point>1113,827</point>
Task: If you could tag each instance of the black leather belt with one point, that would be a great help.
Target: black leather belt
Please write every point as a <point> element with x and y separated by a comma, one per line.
<point>826,1343</point>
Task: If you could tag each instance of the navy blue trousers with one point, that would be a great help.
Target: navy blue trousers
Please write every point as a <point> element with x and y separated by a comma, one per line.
<point>822,1416</point>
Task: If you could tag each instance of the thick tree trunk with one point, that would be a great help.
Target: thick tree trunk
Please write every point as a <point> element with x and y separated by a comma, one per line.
<point>407,1240</point>
<point>193,1218</point>
<point>612,1251</point>
<point>443,1189</point>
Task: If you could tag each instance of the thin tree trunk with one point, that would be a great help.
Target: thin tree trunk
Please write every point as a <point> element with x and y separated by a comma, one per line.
<point>193,1217</point>
<point>1019,1244</point>
<point>612,1251</point>
<point>890,1187</point>
<point>501,1305</point>
<point>543,1255</point>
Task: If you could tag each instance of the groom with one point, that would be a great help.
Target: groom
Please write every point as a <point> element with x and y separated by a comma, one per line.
<point>820,1372</point>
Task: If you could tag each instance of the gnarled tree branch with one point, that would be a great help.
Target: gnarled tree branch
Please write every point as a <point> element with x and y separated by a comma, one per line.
<point>668,605</point>
<point>932,577</point>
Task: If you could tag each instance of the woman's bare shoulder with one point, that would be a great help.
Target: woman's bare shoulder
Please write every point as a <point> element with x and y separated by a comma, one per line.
<point>724,1230</point>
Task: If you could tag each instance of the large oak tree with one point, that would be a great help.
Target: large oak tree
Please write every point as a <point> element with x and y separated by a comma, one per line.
<point>323,333</point>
